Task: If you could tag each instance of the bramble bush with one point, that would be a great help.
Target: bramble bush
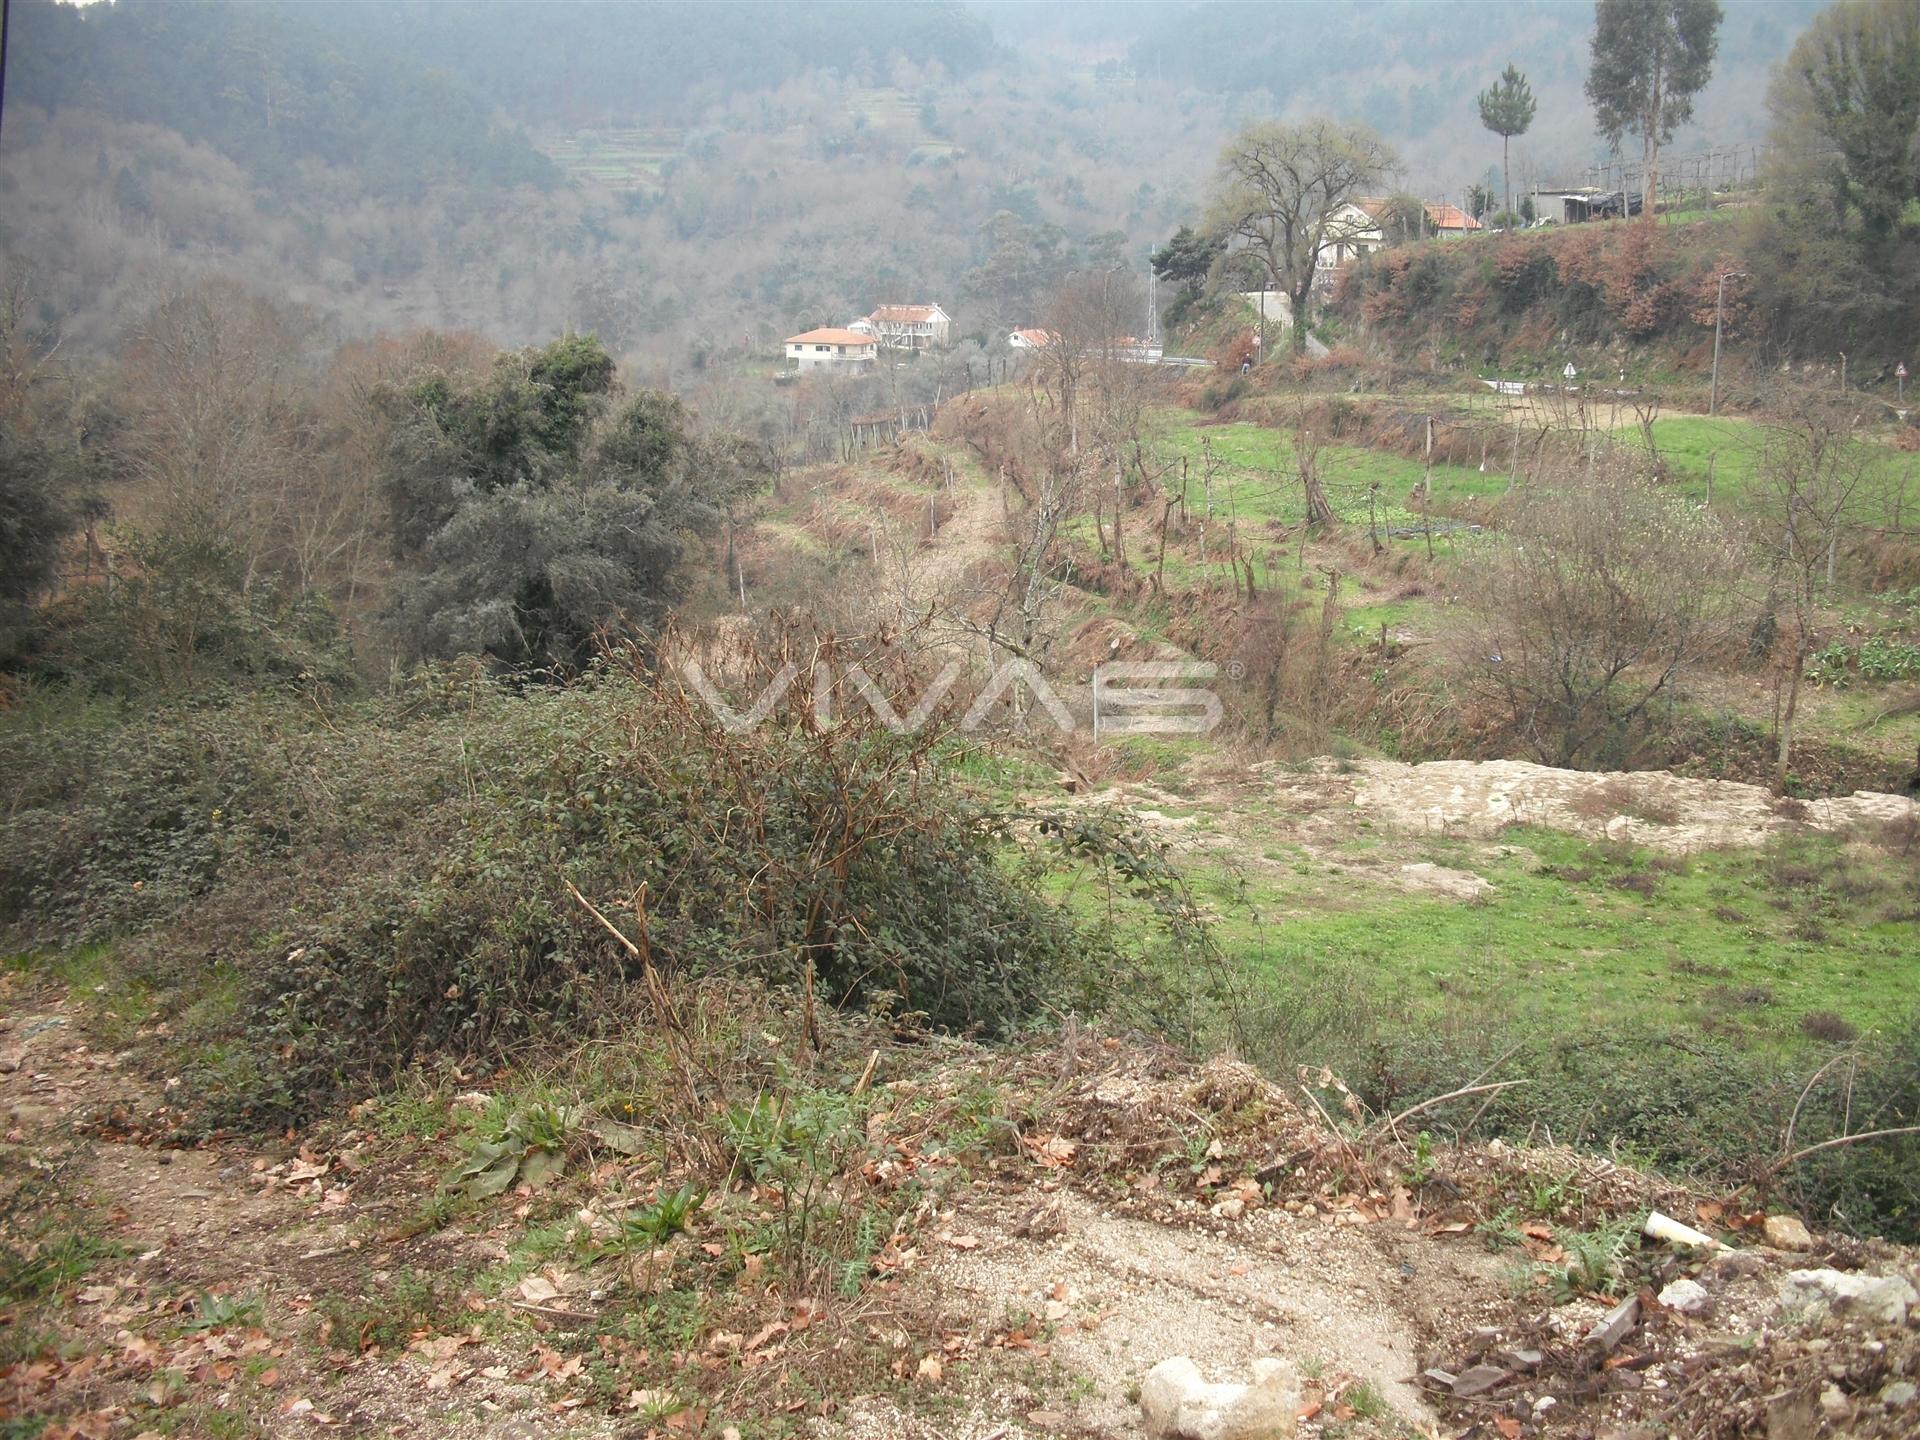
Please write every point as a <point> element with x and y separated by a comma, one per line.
<point>387,881</point>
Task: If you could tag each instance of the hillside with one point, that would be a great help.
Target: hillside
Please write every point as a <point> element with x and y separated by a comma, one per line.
<point>1629,298</point>
<point>568,867</point>
<point>615,174</point>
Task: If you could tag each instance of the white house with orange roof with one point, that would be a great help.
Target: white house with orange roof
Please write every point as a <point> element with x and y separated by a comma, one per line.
<point>1359,227</point>
<point>830,349</point>
<point>907,327</point>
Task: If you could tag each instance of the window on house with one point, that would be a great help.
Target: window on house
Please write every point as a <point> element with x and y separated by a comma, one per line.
<point>823,348</point>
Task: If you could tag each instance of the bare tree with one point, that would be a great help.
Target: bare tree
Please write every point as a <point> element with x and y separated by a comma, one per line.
<point>218,435</point>
<point>1815,482</point>
<point>1279,193</point>
<point>1594,603</point>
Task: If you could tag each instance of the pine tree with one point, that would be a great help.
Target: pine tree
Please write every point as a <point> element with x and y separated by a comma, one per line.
<point>1506,108</point>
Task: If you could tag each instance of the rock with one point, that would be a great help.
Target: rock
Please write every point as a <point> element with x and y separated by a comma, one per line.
<point>1833,1403</point>
<point>1787,1232</point>
<point>10,1062</point>
<point>1616,1325</point>
<point>1689,1297</point>
<point>1793,1416</point>
<point>1735,1265</point>
<point>1479,1379</point>
<point>1178,1403</point>
<point>1440,880</point>
<point>1523,1359</point>
<point>1898,1393</point>
<point>1885,1298</point>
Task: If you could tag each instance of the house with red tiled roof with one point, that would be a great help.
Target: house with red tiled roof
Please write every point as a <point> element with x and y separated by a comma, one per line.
<point>831,349</point>
<point>907,327</point>
<point>1359,227</point>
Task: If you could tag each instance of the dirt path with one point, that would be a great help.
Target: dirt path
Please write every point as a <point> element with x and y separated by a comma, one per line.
<point>1145,1208</point>
<point>224,1273</point>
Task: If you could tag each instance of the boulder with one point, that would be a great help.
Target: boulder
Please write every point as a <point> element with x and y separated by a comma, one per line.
<point>1787,1232</point>
<point>1885,1298</point>
<point>1178,1403</point>
<point>1689,1297</point>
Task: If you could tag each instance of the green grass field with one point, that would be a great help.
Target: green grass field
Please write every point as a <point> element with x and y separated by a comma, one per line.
<point>619,159</point>
<point>1257,478</point>
<point>1732,449</point>
<point>1578,937</point>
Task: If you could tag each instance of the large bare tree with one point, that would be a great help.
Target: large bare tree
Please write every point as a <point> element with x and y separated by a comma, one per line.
<point>1279,192</point>
<point>1815,483</point>
<point>1595,601</point>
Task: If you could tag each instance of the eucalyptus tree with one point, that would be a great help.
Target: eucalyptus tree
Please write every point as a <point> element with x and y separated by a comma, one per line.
<point>1650,58</point>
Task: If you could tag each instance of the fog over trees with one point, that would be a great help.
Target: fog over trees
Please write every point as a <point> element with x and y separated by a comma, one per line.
<point>692,182</point>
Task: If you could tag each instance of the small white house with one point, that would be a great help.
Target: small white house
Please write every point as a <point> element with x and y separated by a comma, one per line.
<point>907,327</point>
<point>1358,228</point>
<point>831,349</point>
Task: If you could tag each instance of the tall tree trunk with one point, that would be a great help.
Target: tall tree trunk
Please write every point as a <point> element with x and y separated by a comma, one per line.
<point>1793,704</point>
<point>1506,175</point>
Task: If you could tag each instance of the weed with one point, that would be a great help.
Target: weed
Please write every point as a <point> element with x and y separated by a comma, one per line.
<point>217,1312</point>
<point>1828,1028</point>
<point>1367,1402</point>
<point>1549,1195</point>
<point>1501,1230</point>
<point>46,1240</point>
<point>384,1316</point>
<point>1421,1168</point>
<point>667,1216</point>
<point>1595,1259</point>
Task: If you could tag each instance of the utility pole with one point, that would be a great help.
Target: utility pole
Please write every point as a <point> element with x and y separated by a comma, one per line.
<point>1719,305</point>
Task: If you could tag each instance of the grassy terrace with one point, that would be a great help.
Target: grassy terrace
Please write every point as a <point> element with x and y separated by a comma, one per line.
<point>1575,937</point>
<point>1258,481</point>
<point>622,159</point>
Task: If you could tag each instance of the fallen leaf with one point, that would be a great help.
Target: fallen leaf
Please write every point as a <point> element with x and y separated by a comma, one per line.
<point>962,1242</point>
<point>538,1290</point>
<point>930,1370</point>
<point>767,1333</point>
<point>1054,1150</point>
<point>1507,1426</point>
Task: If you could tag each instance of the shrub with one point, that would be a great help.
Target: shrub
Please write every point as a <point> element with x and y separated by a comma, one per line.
<point>393,880</point>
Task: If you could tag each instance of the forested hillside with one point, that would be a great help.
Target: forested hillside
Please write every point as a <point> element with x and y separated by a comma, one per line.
<point>691,183</point>
<point>569,867</point>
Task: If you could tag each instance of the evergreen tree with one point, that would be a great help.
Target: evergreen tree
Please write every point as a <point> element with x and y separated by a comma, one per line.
<point>1650,58</point>
<point>1506,108</point>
